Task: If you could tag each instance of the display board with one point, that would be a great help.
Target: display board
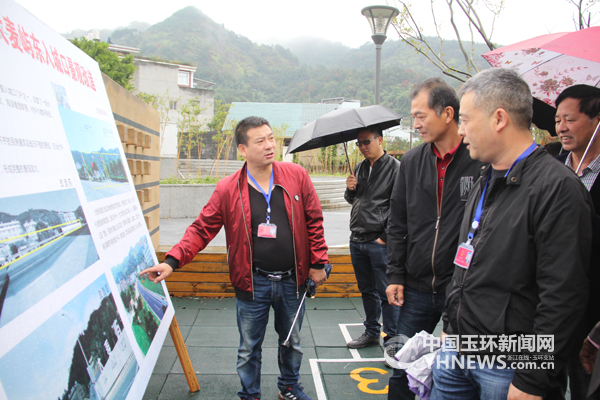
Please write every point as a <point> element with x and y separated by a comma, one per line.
<point>76,320</point>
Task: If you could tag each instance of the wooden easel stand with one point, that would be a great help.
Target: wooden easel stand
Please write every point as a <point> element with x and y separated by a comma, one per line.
<point>184,357</point>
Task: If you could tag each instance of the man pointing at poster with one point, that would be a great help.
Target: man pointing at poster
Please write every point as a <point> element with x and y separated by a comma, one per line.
<point>275,241</point>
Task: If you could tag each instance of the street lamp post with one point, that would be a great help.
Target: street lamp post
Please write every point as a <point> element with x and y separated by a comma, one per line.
<point>379,18</point>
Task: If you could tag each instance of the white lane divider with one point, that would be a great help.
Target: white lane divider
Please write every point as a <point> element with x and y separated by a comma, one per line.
<point>344,328</point>
<point>314,362</point>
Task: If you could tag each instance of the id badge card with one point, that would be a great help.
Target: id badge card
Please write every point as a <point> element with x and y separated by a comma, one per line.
<point>464,254</point>
<point>267,231</point>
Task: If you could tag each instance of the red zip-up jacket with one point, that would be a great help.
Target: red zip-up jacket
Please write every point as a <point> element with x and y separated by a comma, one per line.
<point>229,206</point>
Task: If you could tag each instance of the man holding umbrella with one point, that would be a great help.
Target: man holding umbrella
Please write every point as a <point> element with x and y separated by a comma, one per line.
<point>427,205</point>
<point>368,189</point>
<point>269,258</point>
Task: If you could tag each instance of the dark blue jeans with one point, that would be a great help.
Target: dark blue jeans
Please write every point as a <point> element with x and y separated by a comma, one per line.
<point>369,260</point>
<point>420,312</point>
<point>456,379</point>
<point>252,319</point>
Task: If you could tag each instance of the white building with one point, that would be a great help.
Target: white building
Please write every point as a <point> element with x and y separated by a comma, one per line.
<point>67,216</point>
<point>10,230</point>
<point>29,226</point>
<point>175,85</point>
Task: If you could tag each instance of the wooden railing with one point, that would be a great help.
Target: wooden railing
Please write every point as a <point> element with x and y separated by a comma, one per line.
<point>208,275</point>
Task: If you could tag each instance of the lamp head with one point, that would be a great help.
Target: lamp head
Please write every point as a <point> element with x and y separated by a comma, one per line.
<point>379,18</point>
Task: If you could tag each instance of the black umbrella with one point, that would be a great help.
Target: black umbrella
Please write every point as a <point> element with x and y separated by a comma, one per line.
<point>341,125</point>
<point>543,116</point>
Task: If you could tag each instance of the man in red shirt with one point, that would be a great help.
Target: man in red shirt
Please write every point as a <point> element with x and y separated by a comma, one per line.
<point>427,206</point>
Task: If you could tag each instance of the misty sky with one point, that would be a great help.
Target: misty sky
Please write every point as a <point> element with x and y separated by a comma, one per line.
<point>272,21</point>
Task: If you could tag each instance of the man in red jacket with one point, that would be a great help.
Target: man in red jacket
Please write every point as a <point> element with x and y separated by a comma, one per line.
<point>274,231</point>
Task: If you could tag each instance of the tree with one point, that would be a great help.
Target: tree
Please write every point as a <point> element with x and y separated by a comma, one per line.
<point>224,133</point>
<point>220,115</point>
<point>279,132</point>
<point>119,69</point>
<point>162,105</point>
<point>189,131</point>
<point>395,143</point>
<point>42,231</point>
<point>411,33</point>
<point>583,17</point>
<point>459,11</point>
<point>477,15</point>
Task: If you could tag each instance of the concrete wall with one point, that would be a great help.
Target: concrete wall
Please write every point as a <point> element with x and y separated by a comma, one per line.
<point>188,169</point>
<point>184,201</point>
<point>166,167</point>
<point>151,77</point>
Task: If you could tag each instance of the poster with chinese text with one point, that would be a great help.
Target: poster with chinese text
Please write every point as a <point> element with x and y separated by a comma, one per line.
<point>72,234</point>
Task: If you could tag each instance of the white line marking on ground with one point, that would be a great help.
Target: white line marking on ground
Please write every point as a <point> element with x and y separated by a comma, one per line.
<point>344,328</point>
<point>316,373</point>
<point>314,362</point>
<point>319,388</point>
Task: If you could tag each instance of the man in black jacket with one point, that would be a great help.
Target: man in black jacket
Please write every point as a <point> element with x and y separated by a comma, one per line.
<point>368,189</point>
<point>428,201</point>
<point>577,116</point>
<point>591,361</point>
<point>520,268</point>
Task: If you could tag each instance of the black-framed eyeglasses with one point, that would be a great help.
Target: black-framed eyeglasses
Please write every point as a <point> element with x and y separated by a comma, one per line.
<point>365,142</point>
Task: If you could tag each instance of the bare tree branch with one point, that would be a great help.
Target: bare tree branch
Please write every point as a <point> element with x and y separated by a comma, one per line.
<point>409,32</point>
<point>437,31</point>
<point>475,21</point>
<point>585,10</point>
<point>468,64</point>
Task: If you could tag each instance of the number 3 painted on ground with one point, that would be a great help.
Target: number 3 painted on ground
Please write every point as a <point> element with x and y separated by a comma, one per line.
<point>364,383</point>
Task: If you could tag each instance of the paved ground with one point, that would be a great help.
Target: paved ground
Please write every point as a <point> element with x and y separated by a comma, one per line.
<point>329,370</point>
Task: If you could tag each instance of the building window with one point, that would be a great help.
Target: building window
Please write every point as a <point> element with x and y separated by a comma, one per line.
<point>173,105</point>
<point>184,78</point>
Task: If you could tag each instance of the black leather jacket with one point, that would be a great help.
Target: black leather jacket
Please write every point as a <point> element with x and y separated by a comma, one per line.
<point>371,199</point>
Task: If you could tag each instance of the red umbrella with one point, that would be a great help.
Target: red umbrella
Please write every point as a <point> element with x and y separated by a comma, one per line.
<point>551,63</point>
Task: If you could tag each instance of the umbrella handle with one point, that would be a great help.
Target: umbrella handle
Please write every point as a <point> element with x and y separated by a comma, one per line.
<point>286,343</point>
<point>587,149</point>
<point>347,159</point>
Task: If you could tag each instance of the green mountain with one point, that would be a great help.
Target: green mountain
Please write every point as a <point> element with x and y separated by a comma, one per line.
<point>305,70</point>
<point>395,53</point>
<point>105,34</point>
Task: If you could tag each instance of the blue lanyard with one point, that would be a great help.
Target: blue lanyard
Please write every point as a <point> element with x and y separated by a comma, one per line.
<point>267,196</point>
<point>479,209</point>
